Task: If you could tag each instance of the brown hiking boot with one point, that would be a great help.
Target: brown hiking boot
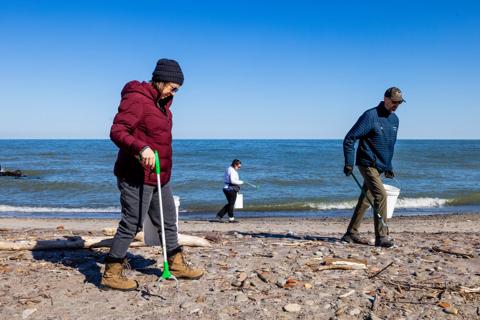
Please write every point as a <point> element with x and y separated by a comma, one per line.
<point>114,278</point>
<point>180,269</point>
<point>353,238</point>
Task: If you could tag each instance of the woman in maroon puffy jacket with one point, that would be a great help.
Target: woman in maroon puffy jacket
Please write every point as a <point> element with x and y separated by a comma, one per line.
<point>143,124</point>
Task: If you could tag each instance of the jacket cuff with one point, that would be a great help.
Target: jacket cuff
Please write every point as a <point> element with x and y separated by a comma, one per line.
<point>138,146</point>
<point>141,150</point>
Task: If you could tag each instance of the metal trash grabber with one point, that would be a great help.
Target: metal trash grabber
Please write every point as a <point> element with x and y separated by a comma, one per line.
<point>166,275</point>
<point>252,185</point>
<point>371,204</point>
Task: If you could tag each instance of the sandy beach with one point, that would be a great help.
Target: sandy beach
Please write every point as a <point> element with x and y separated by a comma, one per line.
<point>256,269</point>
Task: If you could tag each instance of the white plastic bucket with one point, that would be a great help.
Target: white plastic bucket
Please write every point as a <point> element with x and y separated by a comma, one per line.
<point>392,195</point>
<point>239,201</point>
<point>150,233</point>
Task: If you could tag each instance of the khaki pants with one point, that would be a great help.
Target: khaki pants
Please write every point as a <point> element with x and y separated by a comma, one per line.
<point>372,186</point>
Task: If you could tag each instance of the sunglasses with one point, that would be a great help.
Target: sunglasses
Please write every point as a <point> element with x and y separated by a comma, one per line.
<point>397,102</point>
<point>173,89</point>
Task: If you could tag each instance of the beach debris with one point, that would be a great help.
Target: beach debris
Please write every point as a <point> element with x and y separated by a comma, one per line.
<point>290,283</point>
<point>79,242</point>
<point>187,305</point>
<point>240,281</point>
<point>469,290</point>
<point>340,264</point>
<point>444,304</point>
<point>4,268</point>
<point>28,312</point>
<point>241,297</point>
<point>340,311</point>
<point>349,293</point>
<point>355,312</point>
<point>213,236</point>
<point>266,254</point>
<point>308,286</point>
<point>292,308</point>
<point>464,255</point>
<point>265,276</point>
<point>319,253</point>
<point>281,282</point>
<point>380,271</point>
<point>451,310</point>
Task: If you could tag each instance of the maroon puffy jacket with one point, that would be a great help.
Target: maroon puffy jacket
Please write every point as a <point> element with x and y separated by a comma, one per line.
<point>140,123</point>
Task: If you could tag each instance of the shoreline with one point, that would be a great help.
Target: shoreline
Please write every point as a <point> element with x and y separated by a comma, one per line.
<point>451,222</point>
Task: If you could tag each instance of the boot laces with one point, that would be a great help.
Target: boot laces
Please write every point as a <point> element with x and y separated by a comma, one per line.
<point>188,264</point>
<point>127,268</point>
<point>183,261</point>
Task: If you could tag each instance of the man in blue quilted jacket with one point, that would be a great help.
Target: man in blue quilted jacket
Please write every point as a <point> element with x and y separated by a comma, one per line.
<point>376,130</point>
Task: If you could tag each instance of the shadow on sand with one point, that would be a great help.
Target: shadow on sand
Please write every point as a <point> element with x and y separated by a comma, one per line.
<point>88,262</point>
<point>290,236</point>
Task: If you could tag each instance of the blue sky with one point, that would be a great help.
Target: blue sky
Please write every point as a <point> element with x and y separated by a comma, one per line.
<point>253,69</point>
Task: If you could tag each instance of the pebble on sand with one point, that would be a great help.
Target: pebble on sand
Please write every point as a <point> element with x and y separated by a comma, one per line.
<point>241,298</point>
<point>27,313</point>
<point>292,307</point>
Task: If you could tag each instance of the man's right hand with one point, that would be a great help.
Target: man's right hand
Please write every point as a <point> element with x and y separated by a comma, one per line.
<point>147,158</point>
<point>348,170</point>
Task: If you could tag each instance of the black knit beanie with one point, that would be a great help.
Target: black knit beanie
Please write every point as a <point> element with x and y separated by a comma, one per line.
<point>167,71</point>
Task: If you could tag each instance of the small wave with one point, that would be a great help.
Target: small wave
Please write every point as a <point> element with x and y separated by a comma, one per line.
<point>344,205</point>
<point>421,202</point>
<point>410,203</point>
<point>5,208</point>
<point>319,205</point>
<point>469,199</point>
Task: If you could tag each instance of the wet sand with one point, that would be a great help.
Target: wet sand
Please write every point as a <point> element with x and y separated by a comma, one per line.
<point>256,269</point>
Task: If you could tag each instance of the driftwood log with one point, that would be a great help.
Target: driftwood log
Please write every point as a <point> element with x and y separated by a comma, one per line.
<point>339,264</point>
<point>78,242</point>
<point>350,263</point>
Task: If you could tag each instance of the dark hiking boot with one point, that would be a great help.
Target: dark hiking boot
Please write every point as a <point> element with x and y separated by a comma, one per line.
<point>383,242</point>
<point>114,277</point>
<point>353,238</point>
<point>181,269</point>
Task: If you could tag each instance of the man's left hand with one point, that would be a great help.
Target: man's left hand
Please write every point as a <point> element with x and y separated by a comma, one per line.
<point>389,174</point>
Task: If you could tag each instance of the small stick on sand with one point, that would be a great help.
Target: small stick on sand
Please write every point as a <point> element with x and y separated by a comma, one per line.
<point>457,253</point>
<point>376,274</point>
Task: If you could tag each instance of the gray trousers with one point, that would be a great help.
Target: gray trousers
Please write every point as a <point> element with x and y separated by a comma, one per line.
<point>136,202</point>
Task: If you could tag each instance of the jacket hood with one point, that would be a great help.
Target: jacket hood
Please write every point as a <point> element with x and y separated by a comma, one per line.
<point>144,88</point>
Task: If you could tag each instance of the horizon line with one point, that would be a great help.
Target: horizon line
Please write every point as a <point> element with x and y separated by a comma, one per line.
<point>107,139</point>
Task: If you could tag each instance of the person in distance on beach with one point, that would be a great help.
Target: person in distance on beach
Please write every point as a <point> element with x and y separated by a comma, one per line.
<point>377,131</point>
<point>144,124</point>
<point>231,187</point>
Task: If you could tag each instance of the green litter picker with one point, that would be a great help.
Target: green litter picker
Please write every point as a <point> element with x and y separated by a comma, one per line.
<point>166,275</point>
